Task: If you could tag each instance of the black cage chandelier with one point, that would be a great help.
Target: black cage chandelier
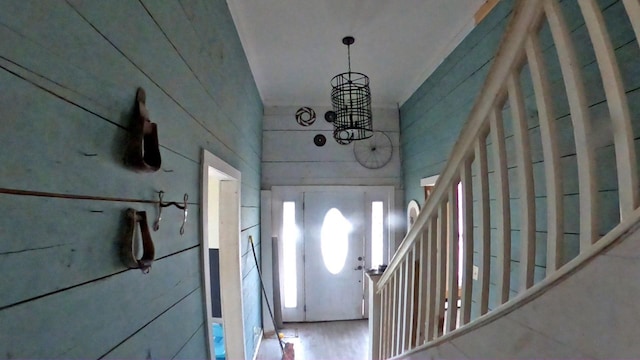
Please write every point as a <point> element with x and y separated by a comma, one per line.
<point>351,101</point>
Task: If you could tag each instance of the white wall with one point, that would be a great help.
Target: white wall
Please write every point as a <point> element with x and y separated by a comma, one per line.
<point>291,158</point>
<point>213,213</point>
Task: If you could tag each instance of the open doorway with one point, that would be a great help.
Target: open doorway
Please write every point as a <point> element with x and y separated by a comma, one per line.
<point>221,266</point>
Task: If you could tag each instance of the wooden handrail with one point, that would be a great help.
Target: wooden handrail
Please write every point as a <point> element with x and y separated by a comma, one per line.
<point>417,305</point>
<point>616,235</point>
<point>524,19</point>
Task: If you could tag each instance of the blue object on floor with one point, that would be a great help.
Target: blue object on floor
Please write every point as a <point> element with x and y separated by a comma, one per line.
<point>218,341</point>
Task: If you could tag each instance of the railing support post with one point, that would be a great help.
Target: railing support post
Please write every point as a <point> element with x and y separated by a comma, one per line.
<point>375,312</point>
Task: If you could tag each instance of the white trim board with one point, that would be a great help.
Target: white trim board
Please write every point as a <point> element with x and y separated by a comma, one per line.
<point>229,182</point>
<point>429,181</point>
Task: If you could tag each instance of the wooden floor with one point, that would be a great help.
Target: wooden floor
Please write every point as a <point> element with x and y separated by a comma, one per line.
<point>320,340</point>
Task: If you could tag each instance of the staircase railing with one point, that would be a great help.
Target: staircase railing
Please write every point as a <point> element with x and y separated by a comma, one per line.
<point>471,215</point>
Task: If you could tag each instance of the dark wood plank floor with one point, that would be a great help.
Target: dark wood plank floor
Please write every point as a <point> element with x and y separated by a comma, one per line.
<point>320,341</point>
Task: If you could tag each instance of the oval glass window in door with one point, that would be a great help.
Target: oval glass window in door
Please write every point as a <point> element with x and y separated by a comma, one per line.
<point>334,240</point>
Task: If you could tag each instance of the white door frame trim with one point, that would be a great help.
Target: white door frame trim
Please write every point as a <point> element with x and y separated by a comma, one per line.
<point>230,256</point>
<point>294,193</point>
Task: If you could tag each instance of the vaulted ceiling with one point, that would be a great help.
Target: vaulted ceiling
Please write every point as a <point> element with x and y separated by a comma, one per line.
<point>294,47</point>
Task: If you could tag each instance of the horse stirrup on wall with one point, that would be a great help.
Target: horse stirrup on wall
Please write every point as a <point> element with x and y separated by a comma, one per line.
<point>128,247</point>
<point>143,150</point>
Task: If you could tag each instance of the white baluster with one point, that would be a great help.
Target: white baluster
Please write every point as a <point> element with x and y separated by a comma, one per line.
<point>550,153</point>
<point>503,210</point>
<point>618,107</point>
<point>574,84</point>
<point>525,182</point>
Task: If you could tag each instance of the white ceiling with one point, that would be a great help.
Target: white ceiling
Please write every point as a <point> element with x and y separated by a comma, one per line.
<point>294,47</point>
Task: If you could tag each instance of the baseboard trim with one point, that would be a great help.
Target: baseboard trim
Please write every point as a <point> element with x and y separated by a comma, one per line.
<point>255,352</point>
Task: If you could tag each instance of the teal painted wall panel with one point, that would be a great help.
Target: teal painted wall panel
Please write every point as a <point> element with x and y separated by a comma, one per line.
<point>193,348</point>
<point>164,337</point>
<point>49,231</point>
<point>88,321</point>
<point>78,146</point>
<point>432,118</point>
<point>68,76</point>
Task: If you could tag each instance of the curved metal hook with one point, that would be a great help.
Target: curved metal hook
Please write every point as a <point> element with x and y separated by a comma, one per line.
<point>182,207</point>
<point>156,224</point>
<point>184,217</point>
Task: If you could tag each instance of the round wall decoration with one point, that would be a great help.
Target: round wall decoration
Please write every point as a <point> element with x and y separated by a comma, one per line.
<point>330,116</point>
<point>374,152</point>
<point>305,116</point>
<point>319,140</point>
<point>413,209</point>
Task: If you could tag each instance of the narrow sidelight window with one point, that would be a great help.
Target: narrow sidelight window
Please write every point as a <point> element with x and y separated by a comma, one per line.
<point>377,233</point>
<point>290,238</point>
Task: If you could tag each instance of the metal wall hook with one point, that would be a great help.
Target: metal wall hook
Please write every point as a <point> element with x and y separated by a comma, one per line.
<point>183,207</point>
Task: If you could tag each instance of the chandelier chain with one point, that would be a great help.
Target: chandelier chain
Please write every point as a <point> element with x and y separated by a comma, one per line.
<point>349,57</point>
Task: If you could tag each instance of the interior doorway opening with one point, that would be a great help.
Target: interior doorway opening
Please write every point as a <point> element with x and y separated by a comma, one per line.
<point>221,265</point>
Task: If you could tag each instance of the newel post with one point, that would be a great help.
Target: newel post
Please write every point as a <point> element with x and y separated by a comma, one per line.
<point>374,314</point>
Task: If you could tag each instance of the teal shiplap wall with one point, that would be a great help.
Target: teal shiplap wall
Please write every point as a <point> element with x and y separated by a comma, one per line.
<point>68,76</point>
<point>433,117</point>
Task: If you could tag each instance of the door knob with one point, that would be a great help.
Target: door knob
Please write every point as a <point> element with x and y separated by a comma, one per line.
<point>358,268</point>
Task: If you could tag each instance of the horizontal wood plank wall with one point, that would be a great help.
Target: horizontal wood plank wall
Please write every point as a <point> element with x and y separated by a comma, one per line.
<point>291,158</point>
<point>433,116</point>
<point>431,119</point>
<point>68,77</point>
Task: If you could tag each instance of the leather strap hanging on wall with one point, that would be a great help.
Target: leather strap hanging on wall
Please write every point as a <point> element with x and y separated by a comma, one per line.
<point>143,150</point>
<point>129,246</point>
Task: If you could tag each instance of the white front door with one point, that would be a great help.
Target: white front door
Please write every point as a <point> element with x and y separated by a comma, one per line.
<point>334,251</point>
